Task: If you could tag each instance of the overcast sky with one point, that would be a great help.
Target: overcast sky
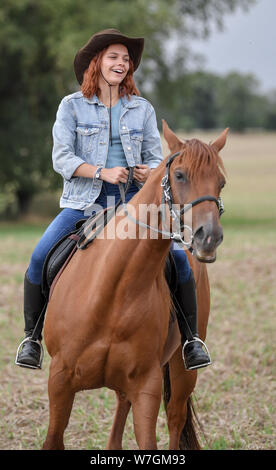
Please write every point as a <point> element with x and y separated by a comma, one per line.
<point>247,44</point>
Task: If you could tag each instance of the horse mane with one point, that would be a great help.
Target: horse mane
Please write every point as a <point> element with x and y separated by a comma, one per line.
<point>200,158</point>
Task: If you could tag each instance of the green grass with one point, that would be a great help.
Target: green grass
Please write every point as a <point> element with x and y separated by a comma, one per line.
<point>235,397</point>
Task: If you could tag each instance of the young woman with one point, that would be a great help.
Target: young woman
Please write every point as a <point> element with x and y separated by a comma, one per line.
<point>99,132</point>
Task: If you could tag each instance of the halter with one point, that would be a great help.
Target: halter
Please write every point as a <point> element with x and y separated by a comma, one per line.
<point>167,198</point>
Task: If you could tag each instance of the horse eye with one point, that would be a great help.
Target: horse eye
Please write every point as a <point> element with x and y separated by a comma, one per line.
<point>180,176</point>
<point>221,186</point>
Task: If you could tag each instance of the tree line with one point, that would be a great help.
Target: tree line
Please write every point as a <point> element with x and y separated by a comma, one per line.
<point>38,42</point>
<point>202,100</point>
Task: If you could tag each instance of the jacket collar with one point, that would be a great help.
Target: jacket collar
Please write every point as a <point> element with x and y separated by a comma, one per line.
<point>132,103</point>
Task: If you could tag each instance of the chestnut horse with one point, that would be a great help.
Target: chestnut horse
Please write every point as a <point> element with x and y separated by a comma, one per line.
<point>108,319</point>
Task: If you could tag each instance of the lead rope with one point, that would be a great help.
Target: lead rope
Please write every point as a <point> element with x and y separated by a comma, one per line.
<point>84,240</point>
<point>138,222</point>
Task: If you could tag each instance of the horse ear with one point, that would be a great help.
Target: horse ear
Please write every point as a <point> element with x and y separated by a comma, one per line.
<point>173,141</point>
<point>220,141</point>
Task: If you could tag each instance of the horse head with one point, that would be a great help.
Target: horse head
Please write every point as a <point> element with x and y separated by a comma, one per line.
<point>197,174</point>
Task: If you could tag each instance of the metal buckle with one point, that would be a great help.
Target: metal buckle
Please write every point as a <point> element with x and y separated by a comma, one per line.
<point>221,206</point>
<point>40,358</point>
<point>164,180</point>
<point>177,237</point>
<point>166,194</point>
<point>199,366</point>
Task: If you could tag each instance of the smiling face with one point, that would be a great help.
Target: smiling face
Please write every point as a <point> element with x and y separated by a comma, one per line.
<point>115,63</point>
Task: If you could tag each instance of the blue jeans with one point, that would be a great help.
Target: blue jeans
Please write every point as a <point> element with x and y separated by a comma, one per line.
<point>66,221</point>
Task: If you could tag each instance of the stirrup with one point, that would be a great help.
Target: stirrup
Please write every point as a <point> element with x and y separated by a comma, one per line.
<point>199,366</point>
<point>39,366</point>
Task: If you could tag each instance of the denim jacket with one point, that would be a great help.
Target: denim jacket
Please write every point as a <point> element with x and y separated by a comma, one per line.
<point>81,134</point>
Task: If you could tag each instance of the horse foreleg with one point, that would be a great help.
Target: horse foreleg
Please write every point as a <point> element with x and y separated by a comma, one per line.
<point>116,435</point>
<point>182,384</point>
<point>145,406</point>
<point>61,397</point>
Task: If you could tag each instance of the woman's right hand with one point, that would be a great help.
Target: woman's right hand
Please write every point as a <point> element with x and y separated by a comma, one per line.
<point>115,175</point>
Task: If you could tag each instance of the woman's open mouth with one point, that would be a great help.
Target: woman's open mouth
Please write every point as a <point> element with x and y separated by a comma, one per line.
<point>118,71</point>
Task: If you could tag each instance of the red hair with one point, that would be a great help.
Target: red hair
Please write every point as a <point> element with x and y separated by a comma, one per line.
<point>90,84</point>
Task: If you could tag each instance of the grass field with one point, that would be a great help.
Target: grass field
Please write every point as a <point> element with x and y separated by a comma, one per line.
<point>235,397</point>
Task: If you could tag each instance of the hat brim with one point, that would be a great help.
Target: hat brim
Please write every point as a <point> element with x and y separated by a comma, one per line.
<point>98,42</point>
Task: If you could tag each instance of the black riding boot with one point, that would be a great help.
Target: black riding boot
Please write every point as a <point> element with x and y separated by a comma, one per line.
<point>185,302</point>
<point>30,352</point>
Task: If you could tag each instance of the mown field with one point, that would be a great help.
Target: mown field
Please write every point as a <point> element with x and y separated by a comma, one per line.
<point>235,397</point>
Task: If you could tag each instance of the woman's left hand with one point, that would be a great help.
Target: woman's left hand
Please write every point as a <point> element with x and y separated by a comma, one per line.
<point>141,173</point>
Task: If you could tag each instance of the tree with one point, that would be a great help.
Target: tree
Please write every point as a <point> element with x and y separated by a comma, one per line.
<point>239,103</point>
<point>270,118</point>
<point>38,41</point>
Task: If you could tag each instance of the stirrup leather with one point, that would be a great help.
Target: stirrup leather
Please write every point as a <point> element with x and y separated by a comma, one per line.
<point>20,348</point>
<point>206,350</point>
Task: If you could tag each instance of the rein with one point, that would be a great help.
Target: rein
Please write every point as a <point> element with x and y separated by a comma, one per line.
<point>176,215</point>
<point>83,241</point>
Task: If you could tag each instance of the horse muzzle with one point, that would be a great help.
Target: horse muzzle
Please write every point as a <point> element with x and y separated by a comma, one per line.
<point>205,242</point>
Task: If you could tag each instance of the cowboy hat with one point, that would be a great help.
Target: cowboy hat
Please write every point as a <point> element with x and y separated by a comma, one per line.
<point>103,39</point>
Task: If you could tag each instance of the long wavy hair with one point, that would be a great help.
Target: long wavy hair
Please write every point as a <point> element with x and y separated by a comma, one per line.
<point>90,84</point>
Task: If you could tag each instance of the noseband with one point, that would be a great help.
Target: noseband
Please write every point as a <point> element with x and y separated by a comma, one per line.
<point>167,198</point>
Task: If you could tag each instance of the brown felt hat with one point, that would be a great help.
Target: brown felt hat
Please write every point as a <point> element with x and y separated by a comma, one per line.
<point>101,40</point>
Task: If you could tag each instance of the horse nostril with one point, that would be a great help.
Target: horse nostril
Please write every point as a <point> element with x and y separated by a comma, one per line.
<point>208,238</point>
<point>199,234</point>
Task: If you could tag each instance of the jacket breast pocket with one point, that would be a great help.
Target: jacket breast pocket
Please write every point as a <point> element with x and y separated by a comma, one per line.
<point>136,139</point>
<point>86,138</point>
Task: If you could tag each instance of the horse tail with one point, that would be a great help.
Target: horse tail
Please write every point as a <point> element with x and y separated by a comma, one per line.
<point>188,437</point>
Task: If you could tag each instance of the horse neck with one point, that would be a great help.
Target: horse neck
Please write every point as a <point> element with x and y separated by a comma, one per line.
<point>151,247</point>
<point>151,192</point>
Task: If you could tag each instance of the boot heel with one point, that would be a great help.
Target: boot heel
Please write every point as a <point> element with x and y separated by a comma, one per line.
<point>23,364</point>
<point>206,361</point>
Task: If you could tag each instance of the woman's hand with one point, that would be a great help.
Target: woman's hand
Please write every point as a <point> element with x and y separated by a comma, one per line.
<point>141,173</point>
<point>115,175</point>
